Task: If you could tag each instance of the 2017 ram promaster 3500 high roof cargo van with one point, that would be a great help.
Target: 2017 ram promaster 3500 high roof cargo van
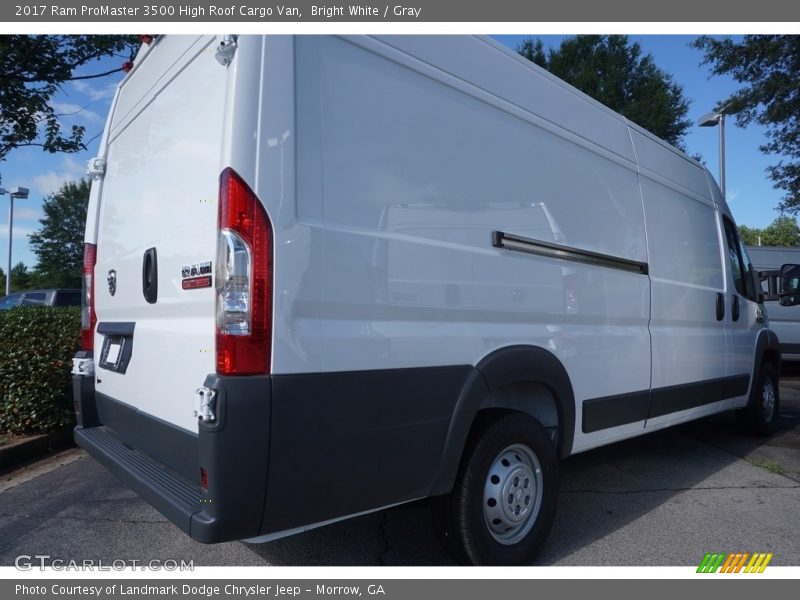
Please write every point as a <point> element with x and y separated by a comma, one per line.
<point>329,275</point>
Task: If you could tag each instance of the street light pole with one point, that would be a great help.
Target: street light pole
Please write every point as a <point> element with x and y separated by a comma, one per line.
<point>712,120</point>
<point>722,154</point>
<point>21,193</point>
<point>10,230</point>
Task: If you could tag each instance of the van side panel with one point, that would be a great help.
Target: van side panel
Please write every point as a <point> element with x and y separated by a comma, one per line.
<point>518,82</point>
<point>418,168</point>
<point>687,277</point>
<point>294,203</point>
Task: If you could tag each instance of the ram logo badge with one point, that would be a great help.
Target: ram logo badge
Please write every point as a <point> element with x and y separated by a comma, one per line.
<point>112,281</point>
<point>196,276</point>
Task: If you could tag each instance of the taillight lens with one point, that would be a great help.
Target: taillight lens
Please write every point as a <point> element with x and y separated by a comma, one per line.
<point>243,280</point>
<point>88,316</point>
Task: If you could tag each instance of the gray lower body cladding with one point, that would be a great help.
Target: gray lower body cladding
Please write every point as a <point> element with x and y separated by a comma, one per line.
<point>285,451</point>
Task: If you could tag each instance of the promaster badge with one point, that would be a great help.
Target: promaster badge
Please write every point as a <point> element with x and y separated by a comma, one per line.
<point>196,276</point>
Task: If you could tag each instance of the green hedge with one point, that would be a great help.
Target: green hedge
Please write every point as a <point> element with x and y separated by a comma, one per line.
<point>36,349</point>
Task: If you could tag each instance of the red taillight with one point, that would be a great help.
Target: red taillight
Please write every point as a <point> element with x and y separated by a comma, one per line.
<point>146,39</point>
<point>88,316</point>
<point>243,280</point>
<point>127,66</point>
<point>203,479</point>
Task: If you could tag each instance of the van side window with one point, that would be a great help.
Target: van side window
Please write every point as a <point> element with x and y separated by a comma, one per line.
<point>741,271</point>
<point>751,280</point>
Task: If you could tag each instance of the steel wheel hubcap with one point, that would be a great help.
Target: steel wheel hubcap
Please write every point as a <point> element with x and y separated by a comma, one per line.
<point>512,494</point>
<point>768,399</point>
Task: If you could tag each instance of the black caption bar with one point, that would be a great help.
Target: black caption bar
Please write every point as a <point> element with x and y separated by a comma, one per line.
<point>384,589</point>
<point>296,11</point>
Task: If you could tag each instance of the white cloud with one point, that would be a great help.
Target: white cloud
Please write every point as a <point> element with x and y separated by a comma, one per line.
<point>20,233</point>
<point>67,110</point>
<point>95,93</point>
<point>24,213</point>
<point>49,182</point>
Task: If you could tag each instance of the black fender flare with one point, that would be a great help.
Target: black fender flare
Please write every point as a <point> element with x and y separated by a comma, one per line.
<point>767,341</point>
<point>512,364</point>
<point>768,347</point>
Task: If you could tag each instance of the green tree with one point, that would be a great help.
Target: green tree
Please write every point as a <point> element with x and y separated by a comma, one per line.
<point>34,67</point>
<point>20,277</point>
<point>768,66</point>
<point>750,235</point>
<point>533,50</point>
<point>783,231</point>
<point>615,71</point>
<point>58,244</point>
<point>2,282</point>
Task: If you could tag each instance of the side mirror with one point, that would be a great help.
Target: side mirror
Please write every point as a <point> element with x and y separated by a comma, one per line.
<point>790,285</point>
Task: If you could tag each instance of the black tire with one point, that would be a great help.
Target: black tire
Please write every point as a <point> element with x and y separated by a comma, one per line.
<point>460,518</point>
<point>760,416</point>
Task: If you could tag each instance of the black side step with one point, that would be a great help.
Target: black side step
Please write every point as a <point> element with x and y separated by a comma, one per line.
<point>173,495</point>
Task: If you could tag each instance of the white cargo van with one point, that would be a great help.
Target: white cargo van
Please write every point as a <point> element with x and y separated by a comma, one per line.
<point>783,320</point>
<point>328,275</point>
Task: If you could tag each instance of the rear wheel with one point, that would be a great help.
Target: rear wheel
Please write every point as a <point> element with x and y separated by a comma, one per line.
<point>504,500</point>
<point>760,416</point>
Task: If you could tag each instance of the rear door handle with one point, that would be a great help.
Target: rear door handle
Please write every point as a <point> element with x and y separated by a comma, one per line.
<point>735,308</point>
<point>720,306</point>
<point>150,275</point>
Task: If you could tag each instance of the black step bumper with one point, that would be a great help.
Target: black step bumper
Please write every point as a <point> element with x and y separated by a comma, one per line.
<point>162,463</point>
<point>173,495</point>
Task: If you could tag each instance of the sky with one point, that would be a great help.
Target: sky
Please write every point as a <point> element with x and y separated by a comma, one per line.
<point>751,196</point>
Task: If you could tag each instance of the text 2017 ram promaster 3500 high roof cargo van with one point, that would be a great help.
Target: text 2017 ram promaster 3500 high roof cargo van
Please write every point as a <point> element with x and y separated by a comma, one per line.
<point>329,275</point>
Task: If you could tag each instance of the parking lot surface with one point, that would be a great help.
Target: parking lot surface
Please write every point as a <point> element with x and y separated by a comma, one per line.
<point>662,499</point>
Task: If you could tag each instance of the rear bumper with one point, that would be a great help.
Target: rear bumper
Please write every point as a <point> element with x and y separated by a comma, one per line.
<point>162,463</point>
<point>286,452</point>
<point>172,495</point>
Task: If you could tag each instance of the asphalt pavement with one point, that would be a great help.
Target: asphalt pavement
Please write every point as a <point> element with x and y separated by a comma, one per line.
<point>662,499</point>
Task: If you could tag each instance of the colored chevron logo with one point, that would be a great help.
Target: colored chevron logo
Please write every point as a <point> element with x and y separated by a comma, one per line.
<point>721,562</point>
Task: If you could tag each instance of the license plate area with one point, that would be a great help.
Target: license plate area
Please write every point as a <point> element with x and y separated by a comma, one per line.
<point>117,349</point>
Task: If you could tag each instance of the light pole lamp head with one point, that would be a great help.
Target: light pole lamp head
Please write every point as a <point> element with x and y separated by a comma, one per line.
<point>711,119</point>
<point>19,192</point>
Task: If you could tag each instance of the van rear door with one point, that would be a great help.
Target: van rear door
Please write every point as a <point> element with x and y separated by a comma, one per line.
<point>156,239</point>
